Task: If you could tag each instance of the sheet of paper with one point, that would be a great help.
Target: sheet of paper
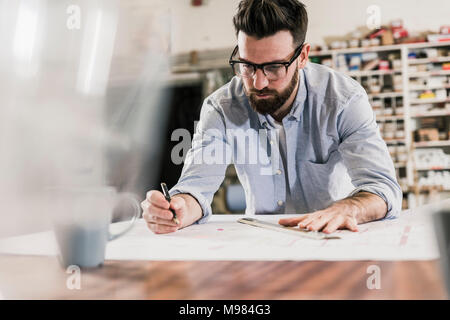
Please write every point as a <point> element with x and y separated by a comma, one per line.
<point>410,237</point>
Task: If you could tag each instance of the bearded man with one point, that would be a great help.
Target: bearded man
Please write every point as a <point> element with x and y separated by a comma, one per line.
<point>328,161</point>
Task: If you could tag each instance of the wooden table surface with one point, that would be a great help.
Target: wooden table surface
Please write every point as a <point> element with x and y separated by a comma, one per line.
<point>40,277</point>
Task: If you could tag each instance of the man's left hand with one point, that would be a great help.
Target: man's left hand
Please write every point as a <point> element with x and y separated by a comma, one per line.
<point>327,220</point>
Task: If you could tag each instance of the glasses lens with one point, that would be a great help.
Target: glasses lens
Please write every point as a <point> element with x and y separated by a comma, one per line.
<point>245,70</point>
<point>272,72</point>
<point>275,71</point>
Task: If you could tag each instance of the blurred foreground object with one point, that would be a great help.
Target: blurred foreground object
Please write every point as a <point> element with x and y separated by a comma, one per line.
<point>442,226</point>
<point>80,102</point>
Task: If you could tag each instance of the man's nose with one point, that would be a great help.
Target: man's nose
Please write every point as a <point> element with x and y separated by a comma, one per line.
<point>260,80</point>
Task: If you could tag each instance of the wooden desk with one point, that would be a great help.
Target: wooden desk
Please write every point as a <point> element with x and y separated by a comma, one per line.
<point>27,277</point>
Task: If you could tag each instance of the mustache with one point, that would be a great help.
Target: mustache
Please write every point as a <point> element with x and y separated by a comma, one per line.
<point>263,91</point>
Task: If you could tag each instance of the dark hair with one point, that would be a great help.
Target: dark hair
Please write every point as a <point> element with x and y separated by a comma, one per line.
<point>264,18</point>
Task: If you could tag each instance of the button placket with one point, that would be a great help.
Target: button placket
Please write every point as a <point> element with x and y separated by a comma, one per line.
<point>279,179</point>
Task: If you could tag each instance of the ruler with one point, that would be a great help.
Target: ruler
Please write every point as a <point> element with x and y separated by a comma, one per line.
<point>291,230</point>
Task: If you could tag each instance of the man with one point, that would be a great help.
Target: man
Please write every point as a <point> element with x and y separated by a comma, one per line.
<point>329,164</point>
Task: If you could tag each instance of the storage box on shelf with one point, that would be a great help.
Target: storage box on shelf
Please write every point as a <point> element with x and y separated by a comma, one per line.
<point>431,159</point>
<point>406,84</point>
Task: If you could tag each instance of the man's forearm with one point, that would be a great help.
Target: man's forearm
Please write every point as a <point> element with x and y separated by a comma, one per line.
<point>364,206</point>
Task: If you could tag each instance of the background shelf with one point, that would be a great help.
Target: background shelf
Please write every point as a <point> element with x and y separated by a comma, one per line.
<point>405,77</point>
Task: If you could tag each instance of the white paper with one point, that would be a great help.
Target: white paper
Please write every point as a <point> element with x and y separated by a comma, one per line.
<point>410,237</point>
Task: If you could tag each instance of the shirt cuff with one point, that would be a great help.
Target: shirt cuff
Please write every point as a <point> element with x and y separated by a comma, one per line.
<point>202,201</point>
<point>393,208</point>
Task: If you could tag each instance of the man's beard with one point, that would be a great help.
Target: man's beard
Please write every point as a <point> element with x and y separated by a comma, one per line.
<point>272,104</point>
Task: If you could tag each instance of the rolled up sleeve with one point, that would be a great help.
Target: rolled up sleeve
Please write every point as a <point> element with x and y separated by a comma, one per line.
<point>206,162</point>
<point>365,154</point>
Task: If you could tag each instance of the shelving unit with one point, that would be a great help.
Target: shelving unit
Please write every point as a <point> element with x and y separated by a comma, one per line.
<point>427,144</point>
<point>395,95</point>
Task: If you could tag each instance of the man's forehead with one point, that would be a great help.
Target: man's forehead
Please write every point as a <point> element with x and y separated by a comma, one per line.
<point>268,49</point>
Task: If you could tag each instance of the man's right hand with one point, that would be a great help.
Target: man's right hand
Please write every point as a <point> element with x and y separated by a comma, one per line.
<point>158,216</point>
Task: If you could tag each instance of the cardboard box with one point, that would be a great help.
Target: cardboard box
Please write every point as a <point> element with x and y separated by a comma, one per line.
<point>387,38</point>
<point>430,134</point>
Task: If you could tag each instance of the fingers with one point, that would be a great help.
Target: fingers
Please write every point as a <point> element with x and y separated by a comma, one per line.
<point>158,212</point>
<point>152,210</point>
<point>319,222</point>
<point>341,222</point>
<point>302,221</point>
<point>329,222</point>
<point>310,218</point>
<point>334,224</point>
<point>159,225</point>
<point>157,199</point>
<point>160,228</point>
<point>292,222</point>
<point>351,225</point>
<point>157,220</point>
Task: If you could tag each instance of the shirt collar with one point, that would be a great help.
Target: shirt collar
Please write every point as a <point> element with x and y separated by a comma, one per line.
<point>297,106</point>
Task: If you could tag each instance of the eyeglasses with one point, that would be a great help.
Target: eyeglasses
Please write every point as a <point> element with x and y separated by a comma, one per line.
<point>272,70</point>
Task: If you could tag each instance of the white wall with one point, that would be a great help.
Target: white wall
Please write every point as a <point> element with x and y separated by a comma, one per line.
<point>210,26</point>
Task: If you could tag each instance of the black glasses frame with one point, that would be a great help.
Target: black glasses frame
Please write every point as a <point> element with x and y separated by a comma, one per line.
<point>262,65</point>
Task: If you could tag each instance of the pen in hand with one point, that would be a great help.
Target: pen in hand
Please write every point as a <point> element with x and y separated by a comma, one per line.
<point>167,196</point>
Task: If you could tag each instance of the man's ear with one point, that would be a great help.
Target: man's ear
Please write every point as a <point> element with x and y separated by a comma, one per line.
<point>303,58</point>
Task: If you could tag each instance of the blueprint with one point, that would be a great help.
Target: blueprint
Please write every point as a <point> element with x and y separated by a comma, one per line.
<point>409,237</point>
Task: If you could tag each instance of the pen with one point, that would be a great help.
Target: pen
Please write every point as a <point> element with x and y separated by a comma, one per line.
<point>167,196</point>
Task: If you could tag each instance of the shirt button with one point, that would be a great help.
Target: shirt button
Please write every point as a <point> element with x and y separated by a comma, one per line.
<point>280,203</point>
<point>271,142</point>
<point>278,171</point>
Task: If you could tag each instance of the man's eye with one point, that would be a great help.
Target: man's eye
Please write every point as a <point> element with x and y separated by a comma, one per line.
<point>273,67</point>
<point>246,67</point>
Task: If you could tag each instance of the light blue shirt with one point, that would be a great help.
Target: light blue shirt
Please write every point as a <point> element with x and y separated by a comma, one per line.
<point>333,148</point>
